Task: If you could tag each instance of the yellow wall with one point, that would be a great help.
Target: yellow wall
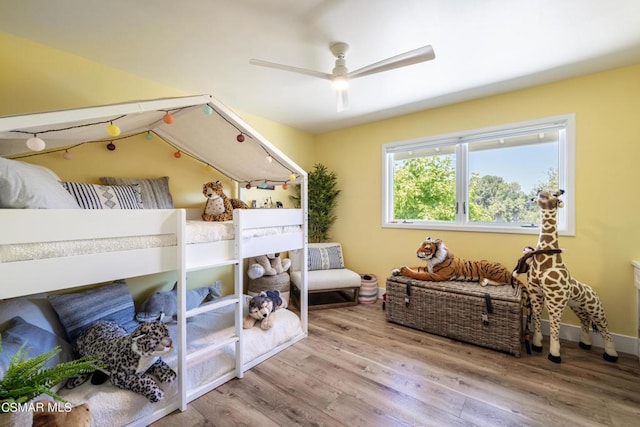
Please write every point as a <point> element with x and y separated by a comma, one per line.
<point>607,178</point>
<point>38,78</point>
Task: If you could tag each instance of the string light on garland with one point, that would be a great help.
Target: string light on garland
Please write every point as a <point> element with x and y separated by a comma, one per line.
<point>292,177</point>
<point>113,130</point>
<point>285,186</point>
<point>149,136</point>
<point>177,154</point>
<point>111,146</point>
<point>35,144</point>
<point>167,118</point>
<point>240,137</point>
<point>207,110</point>
<point>269,159</point>
<point>248,186</point>
<point>67,155</point>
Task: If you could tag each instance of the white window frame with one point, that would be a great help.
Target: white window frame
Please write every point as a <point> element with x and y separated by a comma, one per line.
<point>566,175</point>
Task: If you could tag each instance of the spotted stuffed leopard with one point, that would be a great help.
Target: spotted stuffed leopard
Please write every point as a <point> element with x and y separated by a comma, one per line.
<point>129,360</point>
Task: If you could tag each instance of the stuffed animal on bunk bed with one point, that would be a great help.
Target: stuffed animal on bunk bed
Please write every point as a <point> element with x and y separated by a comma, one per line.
<point>129,360</point>
<point>219,207</point>
<point>442,266</point>
<point>267,265</point>
<point>262,308</point>
<point>163,306</point>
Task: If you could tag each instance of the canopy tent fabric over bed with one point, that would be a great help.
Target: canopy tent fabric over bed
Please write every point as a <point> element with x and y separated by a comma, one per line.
<point>198,122</point>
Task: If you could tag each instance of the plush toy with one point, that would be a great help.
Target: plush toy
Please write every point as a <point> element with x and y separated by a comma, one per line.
<point>45,414</point>
<point>163,306</point>
<point>219,207</point>
<point>262,308</point>
<point>267,265</point>
<point>129,360</point>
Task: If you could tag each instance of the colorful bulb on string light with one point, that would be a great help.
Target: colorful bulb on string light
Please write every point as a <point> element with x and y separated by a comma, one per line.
<point>240,137</point>
<point>111,146</point>
<point>149,136</point>
<point>248,186</point>
<point>167,118</point>
<point>285,186</point>
<point>269,159</point>
<point>113,130</point>
<point>292,177</point>
<point>67,155</point>
<point>177,154</point>
<point>36,144</point>
<point>207,110</point>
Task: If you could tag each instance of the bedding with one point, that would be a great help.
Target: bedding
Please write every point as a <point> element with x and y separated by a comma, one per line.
<point>78,310</point>
<point>196,232</point>
<point>112,406</point>
<point>155,191</point>
<point>94,196</point>
<point>28,186</point>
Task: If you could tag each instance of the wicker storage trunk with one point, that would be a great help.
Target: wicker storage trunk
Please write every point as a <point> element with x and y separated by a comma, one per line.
<point>458,310</point>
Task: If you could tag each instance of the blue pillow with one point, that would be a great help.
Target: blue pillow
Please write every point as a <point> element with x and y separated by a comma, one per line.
<point>16,332</point>
<point>79,310</point>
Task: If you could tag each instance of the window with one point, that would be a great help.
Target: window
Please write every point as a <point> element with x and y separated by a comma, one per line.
<point>480,180</point>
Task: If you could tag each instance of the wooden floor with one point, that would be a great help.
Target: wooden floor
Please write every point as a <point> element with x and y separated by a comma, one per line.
<point>356,369</point>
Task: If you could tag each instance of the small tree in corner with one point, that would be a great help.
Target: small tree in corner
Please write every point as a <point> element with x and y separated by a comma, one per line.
<point>323,196</point>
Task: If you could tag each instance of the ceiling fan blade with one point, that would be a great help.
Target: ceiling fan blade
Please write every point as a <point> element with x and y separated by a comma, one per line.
<point>415,56</point>
<point>342,98</point>
<point>291,69</point>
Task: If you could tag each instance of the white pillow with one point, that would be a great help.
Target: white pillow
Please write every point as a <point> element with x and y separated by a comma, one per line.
<point>24,185</point>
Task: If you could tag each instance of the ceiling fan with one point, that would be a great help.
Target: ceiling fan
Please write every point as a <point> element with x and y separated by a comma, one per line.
<point>340,75</point>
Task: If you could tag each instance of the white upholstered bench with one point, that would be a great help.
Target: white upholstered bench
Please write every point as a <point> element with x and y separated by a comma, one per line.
<point>330,283</point>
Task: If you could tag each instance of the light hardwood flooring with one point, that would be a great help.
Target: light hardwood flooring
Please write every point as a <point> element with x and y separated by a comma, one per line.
<point>357,369</point>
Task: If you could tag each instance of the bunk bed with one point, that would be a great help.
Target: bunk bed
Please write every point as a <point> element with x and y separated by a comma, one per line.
<point>212,347</point>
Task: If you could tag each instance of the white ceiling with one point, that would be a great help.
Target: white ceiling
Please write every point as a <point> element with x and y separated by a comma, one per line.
<point>482,47</point>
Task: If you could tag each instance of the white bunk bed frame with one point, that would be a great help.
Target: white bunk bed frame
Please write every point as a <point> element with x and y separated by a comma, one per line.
<point>19,226</point>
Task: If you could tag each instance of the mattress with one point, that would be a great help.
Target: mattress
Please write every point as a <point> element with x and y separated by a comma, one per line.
<point>195,232</point>
<point>111,406</point>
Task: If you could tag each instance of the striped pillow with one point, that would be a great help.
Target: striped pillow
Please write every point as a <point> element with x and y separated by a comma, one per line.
<point>79,310</point>
<point>155,191</point>
<point>325,258</point>
<point>94,196</point>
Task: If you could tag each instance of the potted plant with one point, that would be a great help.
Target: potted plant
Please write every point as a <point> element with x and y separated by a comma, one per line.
<point>26,379</point>
<point>323,196</point>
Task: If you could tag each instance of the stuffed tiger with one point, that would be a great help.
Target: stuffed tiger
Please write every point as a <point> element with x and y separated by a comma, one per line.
<point>442,265</point>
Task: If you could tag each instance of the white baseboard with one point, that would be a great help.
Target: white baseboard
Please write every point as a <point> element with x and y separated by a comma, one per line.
<point>624,343</point>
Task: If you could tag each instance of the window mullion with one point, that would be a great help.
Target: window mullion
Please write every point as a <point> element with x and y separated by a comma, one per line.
<point>461,183</point>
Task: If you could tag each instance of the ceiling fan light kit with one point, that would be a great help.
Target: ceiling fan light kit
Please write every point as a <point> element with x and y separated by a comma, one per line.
<point>340,74</point>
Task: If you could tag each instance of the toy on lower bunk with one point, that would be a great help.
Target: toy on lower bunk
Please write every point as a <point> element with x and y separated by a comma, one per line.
<point>45,415</point>
<point>551,283</point>
<point>262,308</point>
<point>442,266</point>
<point>129,360</point>
<point>219,207</point>
<point>267,265</point>
<point>163,306</point>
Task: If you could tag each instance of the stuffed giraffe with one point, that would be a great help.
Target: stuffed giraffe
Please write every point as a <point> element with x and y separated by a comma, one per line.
<point>550,283</point>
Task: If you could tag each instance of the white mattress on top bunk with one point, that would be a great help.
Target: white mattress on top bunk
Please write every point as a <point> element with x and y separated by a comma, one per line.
<point>195,232</point>
<point>111,406</point>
